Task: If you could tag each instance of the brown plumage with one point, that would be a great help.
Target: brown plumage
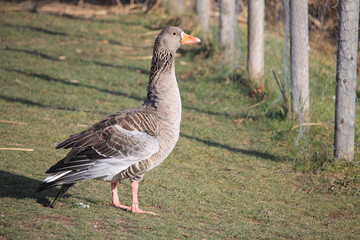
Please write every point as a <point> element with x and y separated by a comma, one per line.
<point>128,143</point>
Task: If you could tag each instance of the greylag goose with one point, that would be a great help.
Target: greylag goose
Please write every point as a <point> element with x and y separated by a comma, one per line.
<point>128,143</point>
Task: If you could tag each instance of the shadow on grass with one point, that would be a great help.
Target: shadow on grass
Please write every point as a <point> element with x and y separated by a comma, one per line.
<point>32,103</point>
<point>17,186</point>
<point>32,52</point>
<point>72,17</point>
<point>241,114</point>
<point>36,29</point>
<point>56,33</point>
<point>145,72</point>
<point>20,187</point>
<point>74,84</point>
<point>211,112</point>
<point>266,156</point>
<point>48,57</point>
<point>95,20</point>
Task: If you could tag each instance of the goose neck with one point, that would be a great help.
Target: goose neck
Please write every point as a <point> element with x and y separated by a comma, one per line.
<point>162,80</point>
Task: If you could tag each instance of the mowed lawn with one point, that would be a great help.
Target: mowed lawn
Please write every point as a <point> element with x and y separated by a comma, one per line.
<point>231,175</point>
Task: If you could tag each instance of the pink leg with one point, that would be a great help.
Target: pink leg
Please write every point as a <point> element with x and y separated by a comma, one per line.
<point>115,197</point>
<point>135,200</point>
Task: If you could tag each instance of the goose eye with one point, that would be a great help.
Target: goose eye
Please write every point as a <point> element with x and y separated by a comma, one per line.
<point>174,33</point>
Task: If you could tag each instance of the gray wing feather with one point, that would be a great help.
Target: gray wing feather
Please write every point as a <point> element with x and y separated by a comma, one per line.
<point>109,147</point>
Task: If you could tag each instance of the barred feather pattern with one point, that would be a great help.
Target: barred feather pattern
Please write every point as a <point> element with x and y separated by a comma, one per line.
<point>162,62</point>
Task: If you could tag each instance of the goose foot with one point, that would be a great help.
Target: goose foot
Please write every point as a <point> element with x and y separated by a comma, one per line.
<point>135,200</point>
<point>147,212</point>
<point>135,209</point>
<point>135,204</point>
<point>126,208</point>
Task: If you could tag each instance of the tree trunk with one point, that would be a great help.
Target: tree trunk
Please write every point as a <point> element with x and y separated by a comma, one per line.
<point>346,79</point>
<point>227,27</point>
<point>299,59</point>
<point>202,10</point>
<point>256,11</point>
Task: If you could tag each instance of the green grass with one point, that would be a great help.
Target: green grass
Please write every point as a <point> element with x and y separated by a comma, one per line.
<point>226,179</point>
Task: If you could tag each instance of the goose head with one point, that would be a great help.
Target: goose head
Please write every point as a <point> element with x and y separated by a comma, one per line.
<point>172,38</point>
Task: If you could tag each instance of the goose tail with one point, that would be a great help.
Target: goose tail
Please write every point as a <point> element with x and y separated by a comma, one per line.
<point>61,192</point>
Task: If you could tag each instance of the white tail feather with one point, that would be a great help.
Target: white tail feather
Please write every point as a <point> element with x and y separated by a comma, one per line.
<point>54,176</point>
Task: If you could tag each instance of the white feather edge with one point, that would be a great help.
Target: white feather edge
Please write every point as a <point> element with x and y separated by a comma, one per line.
<point>54,176</point>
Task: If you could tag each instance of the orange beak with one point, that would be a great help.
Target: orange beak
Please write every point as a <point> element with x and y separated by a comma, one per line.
<point>187,39</point>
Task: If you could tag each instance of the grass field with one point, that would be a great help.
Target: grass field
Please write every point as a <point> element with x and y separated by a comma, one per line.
<point>236,172</point>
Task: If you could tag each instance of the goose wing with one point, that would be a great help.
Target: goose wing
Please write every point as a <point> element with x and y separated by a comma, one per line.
<point>106,149</point>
